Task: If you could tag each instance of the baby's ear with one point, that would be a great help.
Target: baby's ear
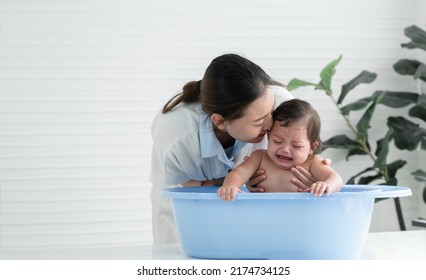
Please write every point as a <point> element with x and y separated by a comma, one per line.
<point>314,147</point>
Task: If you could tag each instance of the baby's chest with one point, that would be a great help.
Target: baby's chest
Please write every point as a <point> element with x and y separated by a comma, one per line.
<point>278,180</point>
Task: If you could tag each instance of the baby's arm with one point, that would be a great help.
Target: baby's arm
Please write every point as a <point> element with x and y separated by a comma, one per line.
<point>238,176</point>
<point>328,179</point>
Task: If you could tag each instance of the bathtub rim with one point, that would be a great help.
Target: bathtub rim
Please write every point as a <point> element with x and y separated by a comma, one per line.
<point>348,191</point>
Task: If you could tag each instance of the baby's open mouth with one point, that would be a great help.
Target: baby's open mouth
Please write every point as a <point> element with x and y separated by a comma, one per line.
<point>284,158</point>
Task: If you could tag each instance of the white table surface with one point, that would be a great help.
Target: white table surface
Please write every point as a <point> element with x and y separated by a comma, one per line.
<point>400,245</point>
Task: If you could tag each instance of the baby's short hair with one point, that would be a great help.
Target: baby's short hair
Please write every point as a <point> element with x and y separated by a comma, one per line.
<point>296,109</point>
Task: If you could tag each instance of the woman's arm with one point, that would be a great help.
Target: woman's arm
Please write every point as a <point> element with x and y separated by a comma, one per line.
<point>214,182</point>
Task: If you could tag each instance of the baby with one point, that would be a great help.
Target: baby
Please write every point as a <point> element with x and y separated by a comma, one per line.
<point>294,140</point>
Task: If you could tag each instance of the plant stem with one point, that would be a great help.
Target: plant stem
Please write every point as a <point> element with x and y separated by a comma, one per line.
<point>349,124</point>
<point>362,142</point>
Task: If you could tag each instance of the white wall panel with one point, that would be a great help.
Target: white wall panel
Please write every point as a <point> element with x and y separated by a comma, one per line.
<point>80,82</point>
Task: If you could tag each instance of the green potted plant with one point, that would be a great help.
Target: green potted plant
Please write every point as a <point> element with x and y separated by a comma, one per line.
<point>405,134</point>
<point>416,69</point>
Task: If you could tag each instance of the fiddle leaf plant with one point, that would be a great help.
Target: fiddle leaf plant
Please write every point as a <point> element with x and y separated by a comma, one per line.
<point>408,135</point>
<point>359,144</point>
<point>405,134</point>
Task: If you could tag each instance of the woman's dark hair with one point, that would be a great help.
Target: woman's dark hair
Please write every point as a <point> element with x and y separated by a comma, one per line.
<point>296,109</point>
<point>229,85</point>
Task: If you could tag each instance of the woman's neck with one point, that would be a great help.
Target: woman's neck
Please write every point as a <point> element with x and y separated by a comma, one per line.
<point>224,138</point>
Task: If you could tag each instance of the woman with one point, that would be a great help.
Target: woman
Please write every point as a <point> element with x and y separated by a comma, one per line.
<point>206,130</point>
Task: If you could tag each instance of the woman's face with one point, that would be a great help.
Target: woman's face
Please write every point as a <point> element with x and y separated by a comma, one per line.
<point>289,146</point>
<point>255,122</point>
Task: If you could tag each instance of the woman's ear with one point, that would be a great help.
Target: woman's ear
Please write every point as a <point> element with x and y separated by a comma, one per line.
<point>218,121</point>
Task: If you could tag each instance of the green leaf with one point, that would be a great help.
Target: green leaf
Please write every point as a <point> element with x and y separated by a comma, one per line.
<point>379,146</point>
<point>409,45</point>
<point>424,195</point>
<point>380,162</point>
<point>420,72</point>
<point>407,135</point>
<point>355,152</point>
<point>410,67</point>
<point>352,179</point>
<point>356,106</point>
<point>391,182</point>
<point>397,99</point>
<point>419,175</point>
<point>367,180</point>
<point>417,36</point>
<point>296,83</point>
<point>418,112</point>
<point>406,66</point>
<point>320,86</point>
<point>421,101</point>
<point>327,74</point>
<point>394,167</point>
<point>364,123</point>
<point>344,142</point>
<point>364,77</point>
<point>341,142</point>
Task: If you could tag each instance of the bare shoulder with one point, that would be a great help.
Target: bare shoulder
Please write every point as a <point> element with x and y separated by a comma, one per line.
<point>315,161</point>
<point>255,158</point>
<point>259,153</point>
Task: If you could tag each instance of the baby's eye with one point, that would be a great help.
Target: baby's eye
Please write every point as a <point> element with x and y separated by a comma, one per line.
<point>276,141</point>
<point>297,147</point>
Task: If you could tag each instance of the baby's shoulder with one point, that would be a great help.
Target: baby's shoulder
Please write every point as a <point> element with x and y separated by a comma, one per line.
<point>259,153</point>
<point>314,161</point>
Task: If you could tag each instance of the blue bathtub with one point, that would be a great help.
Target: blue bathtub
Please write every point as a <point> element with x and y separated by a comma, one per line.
<point>276,225</point>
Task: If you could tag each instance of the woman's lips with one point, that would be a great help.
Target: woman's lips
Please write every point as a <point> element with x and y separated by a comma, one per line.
<point>261,135</point>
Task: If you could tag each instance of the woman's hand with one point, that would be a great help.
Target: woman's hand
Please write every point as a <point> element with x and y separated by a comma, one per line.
<point>258,177</point>
<point>304,178</point>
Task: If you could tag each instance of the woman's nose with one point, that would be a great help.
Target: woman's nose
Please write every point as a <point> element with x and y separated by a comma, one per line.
<point>267,123</point>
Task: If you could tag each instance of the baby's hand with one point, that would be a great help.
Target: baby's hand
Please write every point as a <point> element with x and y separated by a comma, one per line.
<point>228,192</point>
<point>319,188</point>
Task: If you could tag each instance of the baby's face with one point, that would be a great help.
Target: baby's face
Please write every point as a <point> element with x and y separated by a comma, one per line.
<point>289,146</point>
